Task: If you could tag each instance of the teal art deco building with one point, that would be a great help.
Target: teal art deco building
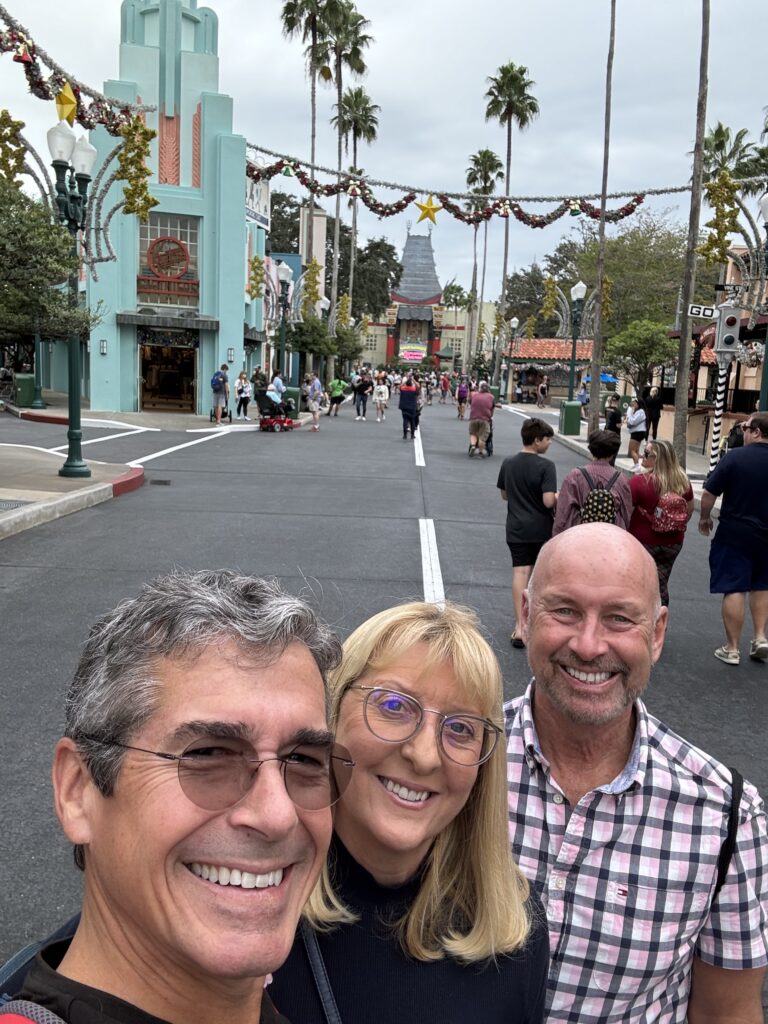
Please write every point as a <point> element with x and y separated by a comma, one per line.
<point>175,300</point>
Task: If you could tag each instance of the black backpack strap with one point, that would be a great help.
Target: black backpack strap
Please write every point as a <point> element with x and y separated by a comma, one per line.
<point>612,481</point>
<point>592,483</point>
<point>30,1011</point>
<point>14,971</point>
<point>319,973</point>
<point>729,843</point>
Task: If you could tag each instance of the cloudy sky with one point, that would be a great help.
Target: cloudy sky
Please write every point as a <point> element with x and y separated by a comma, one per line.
<point>427,71</point>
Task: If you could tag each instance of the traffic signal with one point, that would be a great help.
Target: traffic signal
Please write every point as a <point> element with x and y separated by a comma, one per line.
<point>727,337</point>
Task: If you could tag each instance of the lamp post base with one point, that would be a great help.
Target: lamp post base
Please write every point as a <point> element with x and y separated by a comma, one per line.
<point>73,468</point>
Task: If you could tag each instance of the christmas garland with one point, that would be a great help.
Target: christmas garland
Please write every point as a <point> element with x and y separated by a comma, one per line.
<point>357,188</point>
<point>721,196</point>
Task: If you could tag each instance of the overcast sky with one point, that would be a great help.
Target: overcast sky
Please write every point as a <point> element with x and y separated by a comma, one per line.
<point>427,71</point>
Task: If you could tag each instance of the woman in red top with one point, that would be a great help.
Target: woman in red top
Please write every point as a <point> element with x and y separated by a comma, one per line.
<point>663,477</point>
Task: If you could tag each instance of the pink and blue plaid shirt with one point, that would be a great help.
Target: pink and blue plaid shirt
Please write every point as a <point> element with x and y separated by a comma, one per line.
<point>627,876</point>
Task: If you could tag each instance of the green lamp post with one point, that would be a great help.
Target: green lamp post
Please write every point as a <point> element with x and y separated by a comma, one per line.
<point>284,276</point>
<point>577,299</point>
<point>73,162</point>
<point>763,400</point>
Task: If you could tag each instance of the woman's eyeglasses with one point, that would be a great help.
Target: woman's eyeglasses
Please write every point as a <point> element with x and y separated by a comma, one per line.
<point>649,453</point>
<point>395,717</point>
<point>217,777</point>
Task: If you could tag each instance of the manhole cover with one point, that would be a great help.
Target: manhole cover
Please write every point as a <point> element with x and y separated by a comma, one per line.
<point>6,506</point>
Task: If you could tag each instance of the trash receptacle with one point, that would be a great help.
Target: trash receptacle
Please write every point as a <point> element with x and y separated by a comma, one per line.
<point>24,389</point>
<point>570,418</point>
<point>495,390</point>
<point>295,394</point>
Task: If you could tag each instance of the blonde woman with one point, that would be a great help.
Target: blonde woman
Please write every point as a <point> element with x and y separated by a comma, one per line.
<point>663,503</point>
<point>421,914</point>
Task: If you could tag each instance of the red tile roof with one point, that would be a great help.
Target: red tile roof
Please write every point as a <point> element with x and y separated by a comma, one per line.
<point>555,349</point>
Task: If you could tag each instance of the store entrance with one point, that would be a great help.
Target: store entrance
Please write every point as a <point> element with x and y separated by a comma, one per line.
<point>167,378</point>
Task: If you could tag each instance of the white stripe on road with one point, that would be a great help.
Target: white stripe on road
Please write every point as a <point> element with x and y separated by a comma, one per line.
<point>176,448</point>
<point>430,564</point>
<point>418,448</point>
<point>107,437</point>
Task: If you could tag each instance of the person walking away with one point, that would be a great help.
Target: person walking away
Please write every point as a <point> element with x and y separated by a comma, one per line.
<point>243,395</point>
<point>653,406</point>
<point>220,392</point>
<point>596,492</point>
<point>738,556</point>
<point>314,398</point>
<point>480,415</point>
<point>362,388</point>
<point>462,393</point>
<point>336,391</point>
<point>528,483</point>
<point>445,389</point>
<point>583,397</point>
<point>541,393</point>
<point>663,503</point>
<point>635,420</point>
<point>613,415</point>
<point>381,397</point>
<point>409,395</point>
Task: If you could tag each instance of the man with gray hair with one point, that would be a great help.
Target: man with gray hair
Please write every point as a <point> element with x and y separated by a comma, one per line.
<point>650,856</point>
<point>481,407</point>
<point>195,780</point>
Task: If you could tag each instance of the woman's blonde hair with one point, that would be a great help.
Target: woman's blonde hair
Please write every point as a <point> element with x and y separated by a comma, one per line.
<point>667,472</point>
<point>471,903</point>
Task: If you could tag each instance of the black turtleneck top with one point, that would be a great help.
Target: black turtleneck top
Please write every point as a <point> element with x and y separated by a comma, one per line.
<point>375,982</point>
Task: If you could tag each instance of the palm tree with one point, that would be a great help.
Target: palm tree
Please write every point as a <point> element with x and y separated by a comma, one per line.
<point>357,118</point>
<point>597,333</point>
<point>509,102</point>
<point>724,151</point>
<point>345,39</point>
<point>485,169</point>
<point>304,19</point>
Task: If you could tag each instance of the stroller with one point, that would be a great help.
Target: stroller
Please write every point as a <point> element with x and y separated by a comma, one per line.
<point>274,416</point>
<point>226,413</point>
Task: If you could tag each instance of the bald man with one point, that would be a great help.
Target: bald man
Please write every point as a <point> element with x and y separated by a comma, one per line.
<point>618,822</point>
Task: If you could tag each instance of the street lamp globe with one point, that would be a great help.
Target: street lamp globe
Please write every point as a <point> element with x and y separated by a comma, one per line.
<point>284,273</point>
<point>61,141</point>
<point>763,204</point>
<point>83,156</point>
<point>578,291</point>
<point>325,303</point>
<point>514,323</point>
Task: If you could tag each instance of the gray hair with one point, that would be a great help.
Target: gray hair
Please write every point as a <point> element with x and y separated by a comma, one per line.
<point>115,690</point>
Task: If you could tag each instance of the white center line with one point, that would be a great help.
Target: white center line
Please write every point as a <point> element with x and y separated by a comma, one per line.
<point>418,449</point>
<point>430,564</point>
<point>176,448</point>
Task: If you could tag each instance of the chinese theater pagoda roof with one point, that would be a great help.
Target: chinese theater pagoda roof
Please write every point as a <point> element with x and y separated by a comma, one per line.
<point>419,284</point>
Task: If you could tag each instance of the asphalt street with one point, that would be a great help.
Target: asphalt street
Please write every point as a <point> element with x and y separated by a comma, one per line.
<point>346,517</point>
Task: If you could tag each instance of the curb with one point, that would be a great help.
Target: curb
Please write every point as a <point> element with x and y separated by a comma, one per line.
<point>40,512</point>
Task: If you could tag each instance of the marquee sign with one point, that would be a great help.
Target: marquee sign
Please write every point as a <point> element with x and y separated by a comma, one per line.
<point>168,258</point>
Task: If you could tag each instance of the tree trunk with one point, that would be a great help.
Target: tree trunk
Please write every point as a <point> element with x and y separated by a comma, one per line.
<point>485,259</point>
<point>353,244</point>
<point>312,141</point>
<point>597,334</point>
<point>502,303</point>
<point>684,356</point>
<point>336,226</point>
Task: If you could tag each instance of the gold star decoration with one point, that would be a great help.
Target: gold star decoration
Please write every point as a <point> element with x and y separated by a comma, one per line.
<point>428,210</point>
<point>66,104</point>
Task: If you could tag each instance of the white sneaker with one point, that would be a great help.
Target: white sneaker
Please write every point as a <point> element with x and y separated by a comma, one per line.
<point>361,418</point>
<point>357,417</point>
<point>727,655</point>
<point>247,419</point>
<point>378,419</point>
<point>383,417</point>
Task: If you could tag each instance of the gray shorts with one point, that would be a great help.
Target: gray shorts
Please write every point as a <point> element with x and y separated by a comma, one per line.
<point>219,399</point>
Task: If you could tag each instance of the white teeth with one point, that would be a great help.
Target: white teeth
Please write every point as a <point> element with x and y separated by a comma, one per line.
<point>235,877</point>
<point>413,795</point>
<point>590,677</point>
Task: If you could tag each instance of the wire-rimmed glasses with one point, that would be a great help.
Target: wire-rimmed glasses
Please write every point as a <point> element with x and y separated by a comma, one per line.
<point>216,777</point>
<point>395,717</point>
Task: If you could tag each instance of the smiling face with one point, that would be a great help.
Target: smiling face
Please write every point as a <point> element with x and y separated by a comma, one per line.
<point>591,628</point>
<point>402,795</point>
<point>152,854</point>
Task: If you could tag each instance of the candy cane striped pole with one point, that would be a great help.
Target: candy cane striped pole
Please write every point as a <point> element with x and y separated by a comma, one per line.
<point>722,380</point>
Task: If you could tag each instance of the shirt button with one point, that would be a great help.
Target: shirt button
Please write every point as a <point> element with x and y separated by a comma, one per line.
<point>559,882</point>
<point>558,798</point>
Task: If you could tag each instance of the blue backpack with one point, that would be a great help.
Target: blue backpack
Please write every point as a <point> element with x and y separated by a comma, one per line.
<point>217,382</point>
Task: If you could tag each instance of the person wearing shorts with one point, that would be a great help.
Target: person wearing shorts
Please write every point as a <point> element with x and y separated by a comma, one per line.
<point>480,415</point>
<point>220,398</point>
<point>336,391</point>
<point>528,483</point>
<point>738,557</point>
<point>314,397</point>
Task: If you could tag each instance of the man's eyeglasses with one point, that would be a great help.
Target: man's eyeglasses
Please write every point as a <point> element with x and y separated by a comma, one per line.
<point>747,426</point>
<point>218,777</point>
<point>395,717</point>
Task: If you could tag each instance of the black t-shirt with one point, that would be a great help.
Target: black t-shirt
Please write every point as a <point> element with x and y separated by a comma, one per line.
<point>525,477</point>
<point>613,420</point>
<point>374,982</point>
<point>80,1004</point>
<point>741,477</point>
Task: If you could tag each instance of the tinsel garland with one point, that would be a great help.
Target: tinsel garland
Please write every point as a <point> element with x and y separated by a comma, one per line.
<point>311,295</point>
<point>256,277</point>
<point>132,167</point>
<point>12,149</point>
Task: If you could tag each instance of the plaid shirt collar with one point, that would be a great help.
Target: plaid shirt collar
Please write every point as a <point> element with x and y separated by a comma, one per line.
<point>630,777</point>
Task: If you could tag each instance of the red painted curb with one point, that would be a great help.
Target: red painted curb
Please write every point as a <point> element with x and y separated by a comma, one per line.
<point>43,417</point>
<point>130,481</point>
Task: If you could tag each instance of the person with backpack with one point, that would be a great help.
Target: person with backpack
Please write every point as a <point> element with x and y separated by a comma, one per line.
<point>220,392</point>
<point>595,493</point>
<point>663,503</point>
